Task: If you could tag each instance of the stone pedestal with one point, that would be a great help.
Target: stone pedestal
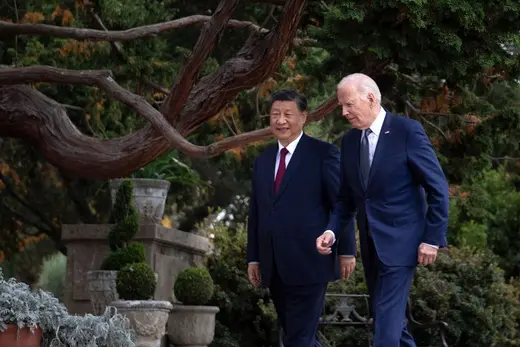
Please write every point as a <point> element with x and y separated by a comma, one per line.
<point>168,251</point>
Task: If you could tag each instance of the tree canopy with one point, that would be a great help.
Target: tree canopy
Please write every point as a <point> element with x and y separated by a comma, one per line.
<point>131,54</point>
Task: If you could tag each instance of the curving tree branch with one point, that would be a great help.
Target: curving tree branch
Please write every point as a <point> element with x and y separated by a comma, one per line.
<point>103,80</point>
<point>137,33</point>
<point>28,114</point>
<point>258,59</point>
<point>205,45</point>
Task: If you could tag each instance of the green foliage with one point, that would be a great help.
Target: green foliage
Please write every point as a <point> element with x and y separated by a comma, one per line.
<point>26,308</point>
<point>185,182</point>
<point>126,219</point>
<point>52,277</point>
<point>257,326</point>
<point>136,282</point>
<point>194,286</point>
<point>491,205</point>
<point>440,39</point>
<point>123,202</point>
<point>115,261</point>
<point>107,330</point>
<point>21,306</point>
<point>467,290</point>
<point>123,231</point>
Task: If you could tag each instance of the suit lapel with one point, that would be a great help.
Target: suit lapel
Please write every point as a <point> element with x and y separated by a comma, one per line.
<point>296,159</point>
<point>269,170</point>
<point>383,144</point>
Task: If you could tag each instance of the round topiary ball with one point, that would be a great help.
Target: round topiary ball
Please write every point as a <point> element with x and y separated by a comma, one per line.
<point>117,260</point>
<point>194,286</point>
<point>136,282</point>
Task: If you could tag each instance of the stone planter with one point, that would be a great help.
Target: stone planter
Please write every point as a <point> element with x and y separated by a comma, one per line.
<point>102,289</point>
<point>150,197</point>
<point>147,317</point>
<point>192,325</point>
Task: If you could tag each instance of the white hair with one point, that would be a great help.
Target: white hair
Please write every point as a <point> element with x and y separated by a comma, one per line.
<point>364,85</point>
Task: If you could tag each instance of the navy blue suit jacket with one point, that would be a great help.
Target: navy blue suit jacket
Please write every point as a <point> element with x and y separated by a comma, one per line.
<point>284,226</point>
<point>400,215</point>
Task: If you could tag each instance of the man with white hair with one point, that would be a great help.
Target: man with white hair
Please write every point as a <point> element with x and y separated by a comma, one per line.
<point>387,164</point>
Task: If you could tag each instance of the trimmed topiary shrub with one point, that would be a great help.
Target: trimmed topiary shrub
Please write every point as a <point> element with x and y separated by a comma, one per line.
<point>194,286</point>
<point>136,282</point>
<point>125,216</point>
<point>117,260</point>
<point>126,219</point>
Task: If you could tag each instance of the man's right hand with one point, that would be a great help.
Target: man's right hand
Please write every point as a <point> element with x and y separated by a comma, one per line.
<point>253,273</point>
<point>324,243</point>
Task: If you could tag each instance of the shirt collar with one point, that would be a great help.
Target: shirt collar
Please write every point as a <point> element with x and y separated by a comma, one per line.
<point>291,147</point>
<point>377,125</point>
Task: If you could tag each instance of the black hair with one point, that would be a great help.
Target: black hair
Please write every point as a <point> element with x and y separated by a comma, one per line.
<point>289,95</point>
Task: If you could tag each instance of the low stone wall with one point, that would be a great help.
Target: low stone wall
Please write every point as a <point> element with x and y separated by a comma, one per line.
<point>168,251</point>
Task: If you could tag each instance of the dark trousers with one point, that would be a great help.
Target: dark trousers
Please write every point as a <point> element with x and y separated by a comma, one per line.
<point>298,309</point>
<point>388,287</point>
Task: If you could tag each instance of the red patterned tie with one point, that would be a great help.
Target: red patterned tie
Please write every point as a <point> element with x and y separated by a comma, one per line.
<point>281,169</point>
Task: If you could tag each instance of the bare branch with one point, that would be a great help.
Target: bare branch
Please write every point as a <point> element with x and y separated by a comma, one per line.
<point>28,114</point>
<point>137,33</point>
<point>435,127</point>
<point>208,38</point>
<point>142,32</point>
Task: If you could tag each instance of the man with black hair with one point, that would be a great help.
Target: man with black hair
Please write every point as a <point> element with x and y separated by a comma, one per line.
<point>294,187</point>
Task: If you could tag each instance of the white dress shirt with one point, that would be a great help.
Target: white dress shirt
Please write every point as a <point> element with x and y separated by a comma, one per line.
<point>373,138</point>
<point>291,147</point>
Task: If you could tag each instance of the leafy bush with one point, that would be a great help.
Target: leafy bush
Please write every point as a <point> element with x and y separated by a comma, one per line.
<point>485,216</point>
<point>194,286</point>
<point>257,326</point>
<point>28,309</point>
<point>124,216</point>
<point>108,330</point>
<point>118,259</point>
<point>122,203</point>
<point>31,309</point>
<point>136,282</point>
<point>52,277</point>
<point>126,219</point>
<point>123,231</point>
<point>466,289</point>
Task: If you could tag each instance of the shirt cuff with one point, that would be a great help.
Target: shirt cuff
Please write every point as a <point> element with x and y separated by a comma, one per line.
<point>254,262</point>
<point>427,244</point>
<point>333,236</point>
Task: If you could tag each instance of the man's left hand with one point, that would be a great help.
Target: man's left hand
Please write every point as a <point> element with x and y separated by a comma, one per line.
<point>427,254</point>
<point>347,264</point>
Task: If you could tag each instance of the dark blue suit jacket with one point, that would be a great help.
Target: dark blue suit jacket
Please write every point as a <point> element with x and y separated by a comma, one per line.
<point>284,227</point>
<point>400,216</point>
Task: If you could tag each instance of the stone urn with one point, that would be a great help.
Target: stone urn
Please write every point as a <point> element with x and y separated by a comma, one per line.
<point>102,289</point>
<point>192,325</point>
<point>149,196</point>
<point>147,318</point>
